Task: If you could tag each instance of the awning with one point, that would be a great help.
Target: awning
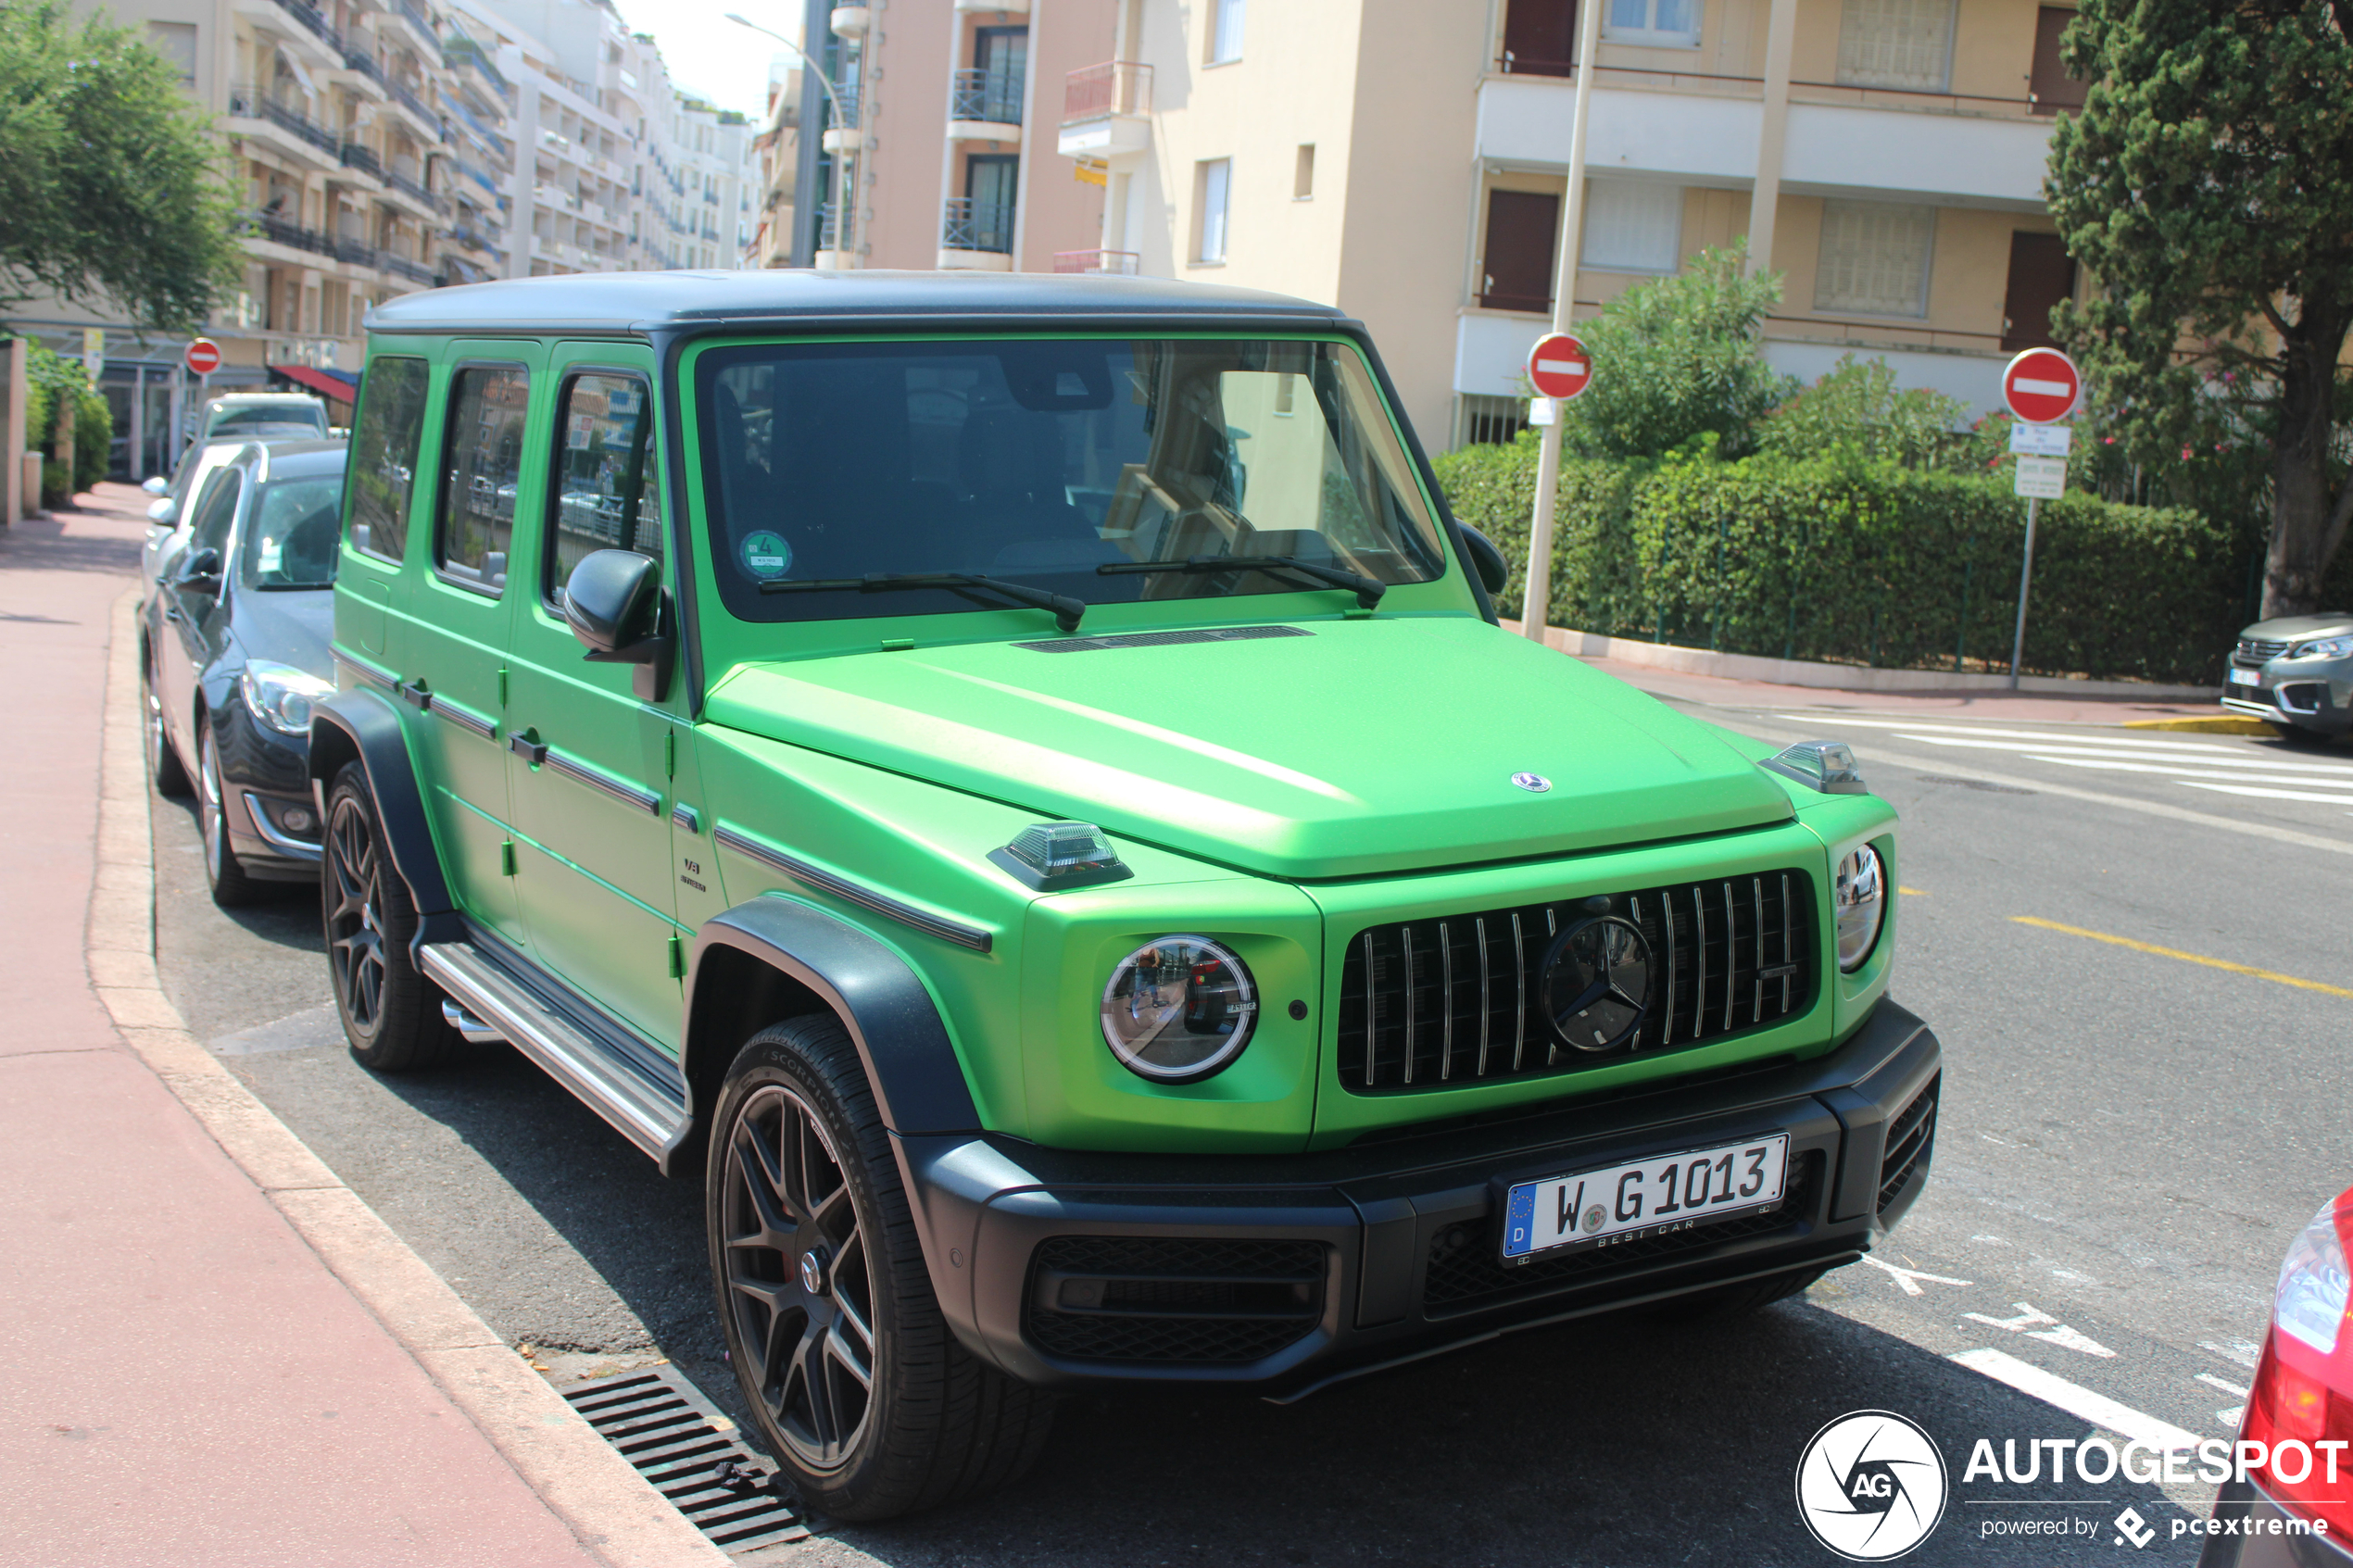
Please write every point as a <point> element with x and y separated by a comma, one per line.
<point>309,88</point>
<point>331,385</point>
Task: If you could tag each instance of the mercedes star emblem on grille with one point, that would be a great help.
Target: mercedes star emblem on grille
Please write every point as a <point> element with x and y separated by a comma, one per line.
<point>1597,983</point>
<point>1535,783</point>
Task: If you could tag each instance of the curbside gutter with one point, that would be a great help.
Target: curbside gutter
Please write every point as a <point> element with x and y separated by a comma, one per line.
<point>615,1513</point>
<point>1845,677</point>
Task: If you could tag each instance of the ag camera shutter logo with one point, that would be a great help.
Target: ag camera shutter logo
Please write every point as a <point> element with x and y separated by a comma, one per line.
<point>1870,1486</point>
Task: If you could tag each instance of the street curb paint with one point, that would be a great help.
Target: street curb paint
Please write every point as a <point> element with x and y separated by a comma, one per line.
<point>617,1516</point>
<point>2219,725</point>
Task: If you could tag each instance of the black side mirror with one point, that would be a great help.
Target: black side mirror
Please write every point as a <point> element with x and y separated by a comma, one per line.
<point>1485,558</point>
<point>199,571</point>
<point>613,604</point>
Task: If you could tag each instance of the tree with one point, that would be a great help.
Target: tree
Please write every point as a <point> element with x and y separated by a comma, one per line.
<point>1675,359</point>
<point>110,189</point>
<point>2207,184</point>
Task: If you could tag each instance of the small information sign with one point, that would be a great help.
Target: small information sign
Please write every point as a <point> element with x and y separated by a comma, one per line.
<point>2041,441</point>
<point>2041,479</point>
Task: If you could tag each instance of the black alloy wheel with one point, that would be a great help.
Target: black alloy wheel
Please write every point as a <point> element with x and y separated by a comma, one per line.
<point>856,1383</point>
<point>171,775</point>
<point>798,1278</point>
<point>230,887</point>
<point>390,1013</point>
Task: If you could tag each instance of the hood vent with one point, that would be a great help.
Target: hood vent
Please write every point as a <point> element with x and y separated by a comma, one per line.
<point>1165,639</point>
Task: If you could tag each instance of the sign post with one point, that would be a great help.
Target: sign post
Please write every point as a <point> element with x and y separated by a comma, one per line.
<point>1536,605</point>
<point>2042,387</point>
<point>203,357</point>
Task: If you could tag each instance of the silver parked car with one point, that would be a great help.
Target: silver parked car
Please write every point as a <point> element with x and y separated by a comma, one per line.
<point>2296,672</point>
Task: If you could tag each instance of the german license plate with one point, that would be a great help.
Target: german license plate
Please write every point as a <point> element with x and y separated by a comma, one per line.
<point>1621,1203</point>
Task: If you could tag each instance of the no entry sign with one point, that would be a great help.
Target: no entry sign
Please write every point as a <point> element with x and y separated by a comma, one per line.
<point>1559,366</point>
<point>2041,385</point>
<point>203,356</point>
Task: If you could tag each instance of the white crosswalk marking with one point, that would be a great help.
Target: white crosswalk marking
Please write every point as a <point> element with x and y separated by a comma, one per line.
<point>2203,771</point>
<point>2063,748</point>
<point>2269,794</point>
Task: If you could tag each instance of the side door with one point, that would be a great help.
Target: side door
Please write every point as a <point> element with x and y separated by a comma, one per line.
<point>191,608</point>
<point>591,760</point>
<point>482,447</point>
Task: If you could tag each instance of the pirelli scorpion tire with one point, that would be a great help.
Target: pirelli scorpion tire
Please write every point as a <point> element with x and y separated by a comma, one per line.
<point>862,1393</point>
<point>390,1013</point>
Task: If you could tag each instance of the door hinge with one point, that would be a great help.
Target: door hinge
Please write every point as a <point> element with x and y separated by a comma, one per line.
<point>506,857</point>
<point>669,753</point>
<point>502,685</point>
<point>678,956</point>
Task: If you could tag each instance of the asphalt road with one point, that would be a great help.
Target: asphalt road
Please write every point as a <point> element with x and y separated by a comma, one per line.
<point>2128,1141</point>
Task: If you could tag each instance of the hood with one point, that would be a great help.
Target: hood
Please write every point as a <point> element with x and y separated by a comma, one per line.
<point>2297,628</point>
<point>1338,748</point>
<point>293,626</point>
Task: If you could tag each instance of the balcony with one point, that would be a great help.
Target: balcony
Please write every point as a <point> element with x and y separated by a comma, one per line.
<point>414,15</point>
<point>409,99</point>
<point>361,158</point>
<point>1115,263</point>
<point>292,236</point>
<point>849,21</point>
<point>366,72</point>
<point>1106,111</point>
<point>984,105</point>
<point>401,267</point>
<point>407,186</point>
<point>976,235</point>
<point>1010,7</point>
<point>288,128</point>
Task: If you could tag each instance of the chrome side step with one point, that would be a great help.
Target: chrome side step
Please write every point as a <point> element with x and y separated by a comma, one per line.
<point>506,1009</point>
<point>472,1030</point>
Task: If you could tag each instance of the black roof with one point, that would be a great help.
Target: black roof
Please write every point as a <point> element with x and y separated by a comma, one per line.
<point>642,302</point>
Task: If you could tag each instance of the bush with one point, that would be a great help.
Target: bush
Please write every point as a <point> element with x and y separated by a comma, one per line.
<point>1852,558</point>
<point>57,382</point>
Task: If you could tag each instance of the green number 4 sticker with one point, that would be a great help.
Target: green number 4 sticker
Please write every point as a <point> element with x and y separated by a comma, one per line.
<point>767,555</point>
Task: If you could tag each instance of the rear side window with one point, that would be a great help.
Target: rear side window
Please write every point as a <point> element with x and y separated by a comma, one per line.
<point>607,497</point>
<point>481,451</point>
<point>384,456</point>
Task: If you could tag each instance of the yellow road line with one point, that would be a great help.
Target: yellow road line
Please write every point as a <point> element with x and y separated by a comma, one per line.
<point>1914,891</point>
<point>2186,957</point>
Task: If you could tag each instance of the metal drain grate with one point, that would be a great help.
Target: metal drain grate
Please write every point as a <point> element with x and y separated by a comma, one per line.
<point>678,1440</point>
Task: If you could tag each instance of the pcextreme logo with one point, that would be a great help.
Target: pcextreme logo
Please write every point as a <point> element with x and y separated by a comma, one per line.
<point>1870,1486</point>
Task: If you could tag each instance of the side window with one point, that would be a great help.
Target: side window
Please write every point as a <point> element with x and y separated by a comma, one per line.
<point>608,494</point>
<point>482,454</point>
<point>384,456</point>
<point>215,513</point>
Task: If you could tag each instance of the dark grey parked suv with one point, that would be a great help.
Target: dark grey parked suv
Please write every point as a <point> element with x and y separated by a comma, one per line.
<point>2296,672</point>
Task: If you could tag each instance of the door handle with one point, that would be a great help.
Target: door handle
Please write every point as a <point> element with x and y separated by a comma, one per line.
<point>171,612</point>
<point>521,745</point>
<point>414,694</point>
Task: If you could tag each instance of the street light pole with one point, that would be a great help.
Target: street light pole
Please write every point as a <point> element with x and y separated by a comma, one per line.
<point>1536,606</point>
<point>846,228</point>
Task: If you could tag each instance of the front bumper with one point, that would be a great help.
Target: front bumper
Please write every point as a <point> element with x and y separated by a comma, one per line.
<point>2310,694</point>
<point>1290,1272</point>
<point>2260,1535</point>
<point>264,774</point>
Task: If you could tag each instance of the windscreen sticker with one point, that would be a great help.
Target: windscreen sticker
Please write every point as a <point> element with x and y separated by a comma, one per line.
<point>767,555</point>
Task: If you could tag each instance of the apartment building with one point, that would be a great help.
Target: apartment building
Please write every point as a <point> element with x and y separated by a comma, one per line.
<point>918,135</point>
<point>1407,160</point>
<point>709,168</point>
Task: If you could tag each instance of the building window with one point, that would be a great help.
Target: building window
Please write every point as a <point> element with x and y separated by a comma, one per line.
<point>1210,185</point>
<point>1631,227</point>
<point>1486,420</point>
<point>1522,229</point>
<point>1897,43</point>
<point>1539,37</point>
<point>1226,32</point>
<point>2051,88</point>
<point>1303,179</point>
<point>176,42</point>
<point>1661,24</point>
<point>1875,259</point>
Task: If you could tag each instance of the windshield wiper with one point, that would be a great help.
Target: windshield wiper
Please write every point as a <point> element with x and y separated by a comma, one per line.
<point>1067,611</point>
<point>1367,590</point>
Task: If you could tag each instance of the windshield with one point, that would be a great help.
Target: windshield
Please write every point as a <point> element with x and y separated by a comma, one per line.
<point>1040,462</point>
<point>272,418</point>
<point>291,536</point>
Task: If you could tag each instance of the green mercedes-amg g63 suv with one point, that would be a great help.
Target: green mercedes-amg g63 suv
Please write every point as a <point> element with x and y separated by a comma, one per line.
<point>1016,783</point>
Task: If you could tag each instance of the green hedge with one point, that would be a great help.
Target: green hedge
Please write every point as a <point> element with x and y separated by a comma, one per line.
<point>1857,560</point>
<point>52,380</point>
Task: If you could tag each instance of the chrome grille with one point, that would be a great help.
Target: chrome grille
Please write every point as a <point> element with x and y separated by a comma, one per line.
<point>2259,650</point>
<point>1429,1004</point>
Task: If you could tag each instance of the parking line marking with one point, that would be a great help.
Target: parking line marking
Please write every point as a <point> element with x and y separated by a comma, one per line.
<point>2271,974</point>
<point>2078,1400</point>
<point>2232,1389</point>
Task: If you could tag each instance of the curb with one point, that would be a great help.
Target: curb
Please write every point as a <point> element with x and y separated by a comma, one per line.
<point>1845,677</point>
<point>2216,725</point>
<point>615,1513</point>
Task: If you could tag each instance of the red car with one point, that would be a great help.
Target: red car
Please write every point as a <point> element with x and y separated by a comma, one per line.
<point>2295,1507</point>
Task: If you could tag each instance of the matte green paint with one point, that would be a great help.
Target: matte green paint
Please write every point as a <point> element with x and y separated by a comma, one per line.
<point>1276,796</point>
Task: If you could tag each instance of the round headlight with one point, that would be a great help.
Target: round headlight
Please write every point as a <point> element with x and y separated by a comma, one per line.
<point>1860,902</point>
<point>1178,1009</point>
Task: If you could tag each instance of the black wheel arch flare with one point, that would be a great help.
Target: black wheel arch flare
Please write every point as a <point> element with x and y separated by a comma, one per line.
<point>360,723</point>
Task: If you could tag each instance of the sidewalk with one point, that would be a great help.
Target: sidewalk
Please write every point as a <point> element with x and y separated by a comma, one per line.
<point>188,1383</point>
<point>2028,707</point>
